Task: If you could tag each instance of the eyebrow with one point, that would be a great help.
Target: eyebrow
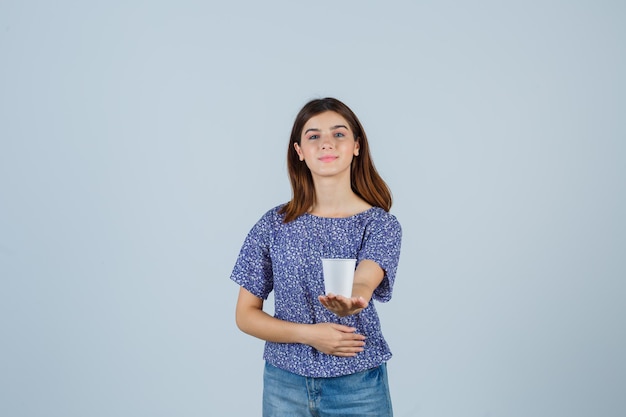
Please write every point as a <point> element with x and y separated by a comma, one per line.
<point>332,128</point>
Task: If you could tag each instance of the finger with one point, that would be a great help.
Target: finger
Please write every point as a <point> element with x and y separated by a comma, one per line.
<point>348,352</point>
<point>328,303</point>
<point>353,345</point>
<point>350,345</point>
<point>344,355</point>
<point>355,339</point>
<point>344,329</point>
<point>326,300</point>
<point>336,302</point>
<point>342,352</point>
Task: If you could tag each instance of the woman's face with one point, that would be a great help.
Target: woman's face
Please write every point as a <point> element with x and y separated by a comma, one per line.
<point>327,145</point>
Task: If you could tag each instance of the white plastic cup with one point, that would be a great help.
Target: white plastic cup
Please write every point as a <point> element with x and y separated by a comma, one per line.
<point>338,275</point>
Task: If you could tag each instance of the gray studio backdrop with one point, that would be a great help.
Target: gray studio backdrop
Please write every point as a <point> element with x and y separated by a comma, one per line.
<point>140,141</point>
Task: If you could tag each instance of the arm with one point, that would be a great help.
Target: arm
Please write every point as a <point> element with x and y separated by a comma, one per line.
<point>367,278</point>
<point>329,338</point>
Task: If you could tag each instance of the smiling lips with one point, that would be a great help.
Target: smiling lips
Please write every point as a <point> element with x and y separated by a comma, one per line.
<point>328,158</point>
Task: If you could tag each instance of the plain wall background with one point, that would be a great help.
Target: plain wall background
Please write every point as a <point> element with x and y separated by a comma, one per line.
<point>140,141</point>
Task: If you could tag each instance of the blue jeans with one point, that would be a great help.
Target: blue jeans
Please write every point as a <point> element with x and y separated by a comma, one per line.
<point>286,394</point>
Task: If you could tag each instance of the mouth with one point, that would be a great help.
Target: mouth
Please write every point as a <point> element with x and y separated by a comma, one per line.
<point>328,158</point>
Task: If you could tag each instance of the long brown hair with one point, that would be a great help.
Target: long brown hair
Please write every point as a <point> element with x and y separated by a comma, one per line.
<point>364,179</point>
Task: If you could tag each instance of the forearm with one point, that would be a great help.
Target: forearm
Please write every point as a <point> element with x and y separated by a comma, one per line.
<point>362,290</point>
<point>367,278</point>
<point>330,338</point>
<point>258,323</point>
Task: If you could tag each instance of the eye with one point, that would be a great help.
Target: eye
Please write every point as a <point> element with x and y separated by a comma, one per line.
<point>314,137</point>
<point>339,135</point>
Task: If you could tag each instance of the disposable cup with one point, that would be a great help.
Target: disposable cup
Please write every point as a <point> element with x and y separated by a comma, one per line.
<point>338,275</point>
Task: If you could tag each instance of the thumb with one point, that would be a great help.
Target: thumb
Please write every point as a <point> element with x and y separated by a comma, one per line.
<point>360,301</point>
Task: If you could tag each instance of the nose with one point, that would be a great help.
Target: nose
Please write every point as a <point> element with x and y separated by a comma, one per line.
<point>327,141</point>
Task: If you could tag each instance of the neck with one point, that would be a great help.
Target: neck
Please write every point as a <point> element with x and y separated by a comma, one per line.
<point>336,199</point>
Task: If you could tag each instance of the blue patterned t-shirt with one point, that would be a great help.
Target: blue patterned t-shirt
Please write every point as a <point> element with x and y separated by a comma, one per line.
<point>286,258</point>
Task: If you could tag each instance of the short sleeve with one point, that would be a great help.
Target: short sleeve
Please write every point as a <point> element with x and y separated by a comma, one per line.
<point>253,268</point>
<point>381,244</point>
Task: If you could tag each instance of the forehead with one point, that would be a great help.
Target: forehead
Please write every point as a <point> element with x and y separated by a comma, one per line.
<point>326,120</point>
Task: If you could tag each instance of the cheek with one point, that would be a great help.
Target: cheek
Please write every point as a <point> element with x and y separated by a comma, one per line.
<point>349,147</point>
<point>298,150</point>
<point>307,150</point>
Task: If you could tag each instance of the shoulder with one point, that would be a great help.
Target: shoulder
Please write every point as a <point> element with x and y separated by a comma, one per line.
<point>271,218</point>
<point>383,224</point>
<point>379,216</point>
<point>266,226</point>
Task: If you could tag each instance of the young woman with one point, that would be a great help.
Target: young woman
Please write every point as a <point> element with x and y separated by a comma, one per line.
<point>325,353</point>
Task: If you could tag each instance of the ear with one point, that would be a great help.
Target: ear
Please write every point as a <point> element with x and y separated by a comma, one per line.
<point>357,147</point>
<point>298,151</point>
